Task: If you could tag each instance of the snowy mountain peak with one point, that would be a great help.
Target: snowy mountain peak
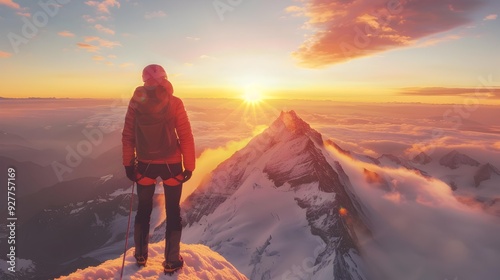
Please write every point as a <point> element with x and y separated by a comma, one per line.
<point>283,188</point>
<point>484,173</point>
<point>455,159</point>
<point>292,122</point>
<point>422,158</point>
<point>289,125</point>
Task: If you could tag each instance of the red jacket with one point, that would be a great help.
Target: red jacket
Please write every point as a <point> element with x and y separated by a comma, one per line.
<point>185,153</point>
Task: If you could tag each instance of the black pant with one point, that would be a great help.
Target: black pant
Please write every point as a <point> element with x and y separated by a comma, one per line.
<point>172,196</point>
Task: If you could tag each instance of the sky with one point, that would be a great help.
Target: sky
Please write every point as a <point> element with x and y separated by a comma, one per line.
<point>344,50</point>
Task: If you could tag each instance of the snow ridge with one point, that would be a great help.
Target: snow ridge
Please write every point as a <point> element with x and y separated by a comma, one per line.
<point>455,159</point>
<point>199,263</point>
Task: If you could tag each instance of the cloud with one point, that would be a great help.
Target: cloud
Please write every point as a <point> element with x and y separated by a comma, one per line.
<point>65,33</point>
<point>23,14</point>
<point>87,47</point>
<point>349,29</point>
<point>193,38</point>
<point>491,17</point>
<point>434,41</point>
<point>204,56</point>
<point>103,7</point>
<point>103,29</point>
<point>385,146</point>
<point>420,230</point>
<point>98,57</point>
<point>496,145</point>
<point>5,54</point>
<point>102,42</point>
<point>91,19</point>
<point>108,44</point>
<point>155,14</point>
<point>295,11</point>
<point>10,4</point>
<point>480,92</point>
<point>208,161</point>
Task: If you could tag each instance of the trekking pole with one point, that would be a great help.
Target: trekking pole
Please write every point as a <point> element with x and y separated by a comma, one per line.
<point>128,230</point>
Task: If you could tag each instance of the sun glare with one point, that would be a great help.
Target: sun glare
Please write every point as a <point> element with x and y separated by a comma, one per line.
<point>252,96</point>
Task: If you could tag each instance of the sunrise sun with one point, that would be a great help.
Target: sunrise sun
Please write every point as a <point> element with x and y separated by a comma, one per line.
<point>252,96</point>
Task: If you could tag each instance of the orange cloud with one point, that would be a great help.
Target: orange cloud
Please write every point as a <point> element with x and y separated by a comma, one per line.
<point>103,6</point>
<point>496,145</point>
<point>24,14</point>
<point>491,17</point>
<point>434,41</point>
<point>5,54</point>
<point>10,4</point>
<point>66,34</point>
<point>294,10</point>
<point>102,42</point>
<point>349,29</point>
<point>103,29</point>
<point>88,47</point>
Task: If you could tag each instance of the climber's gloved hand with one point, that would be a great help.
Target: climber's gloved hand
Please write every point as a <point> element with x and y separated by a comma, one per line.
<point>131,173</point>
<point>187,175</point>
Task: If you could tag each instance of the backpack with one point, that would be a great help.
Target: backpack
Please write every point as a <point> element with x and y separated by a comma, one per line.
<point>155,136</point>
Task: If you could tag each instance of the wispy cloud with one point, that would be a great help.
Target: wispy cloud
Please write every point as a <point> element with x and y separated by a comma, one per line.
<point>102,42</point>
<point>103,29</point>
<point>427,42</point>
<point>5,54</point>
<point>87,47</point>
<point>295,11</point>
<point>98,58</point>
<point>204,56</point>
<point>193,38</point>
<point>491,17</point>
<point>66,33</point>
<point>492,92</point>
<point>24,14</point>
<point>345,30</point>
<point>10,4</point>
<point>104,6</point>
<point>155,14</point>
<point>91,19</point>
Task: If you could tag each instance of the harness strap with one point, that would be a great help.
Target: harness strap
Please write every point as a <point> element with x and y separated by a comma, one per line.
<point>172,181</point>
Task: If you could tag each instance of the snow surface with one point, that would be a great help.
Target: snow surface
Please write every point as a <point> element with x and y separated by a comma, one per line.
<point>256,231</point>
<point>199,263</point>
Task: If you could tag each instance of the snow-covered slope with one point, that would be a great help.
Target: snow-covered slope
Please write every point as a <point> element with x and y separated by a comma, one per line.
<point>273,208</point>
<point>486,173</point>
<point>199,263</point>
<point>455,159</point>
